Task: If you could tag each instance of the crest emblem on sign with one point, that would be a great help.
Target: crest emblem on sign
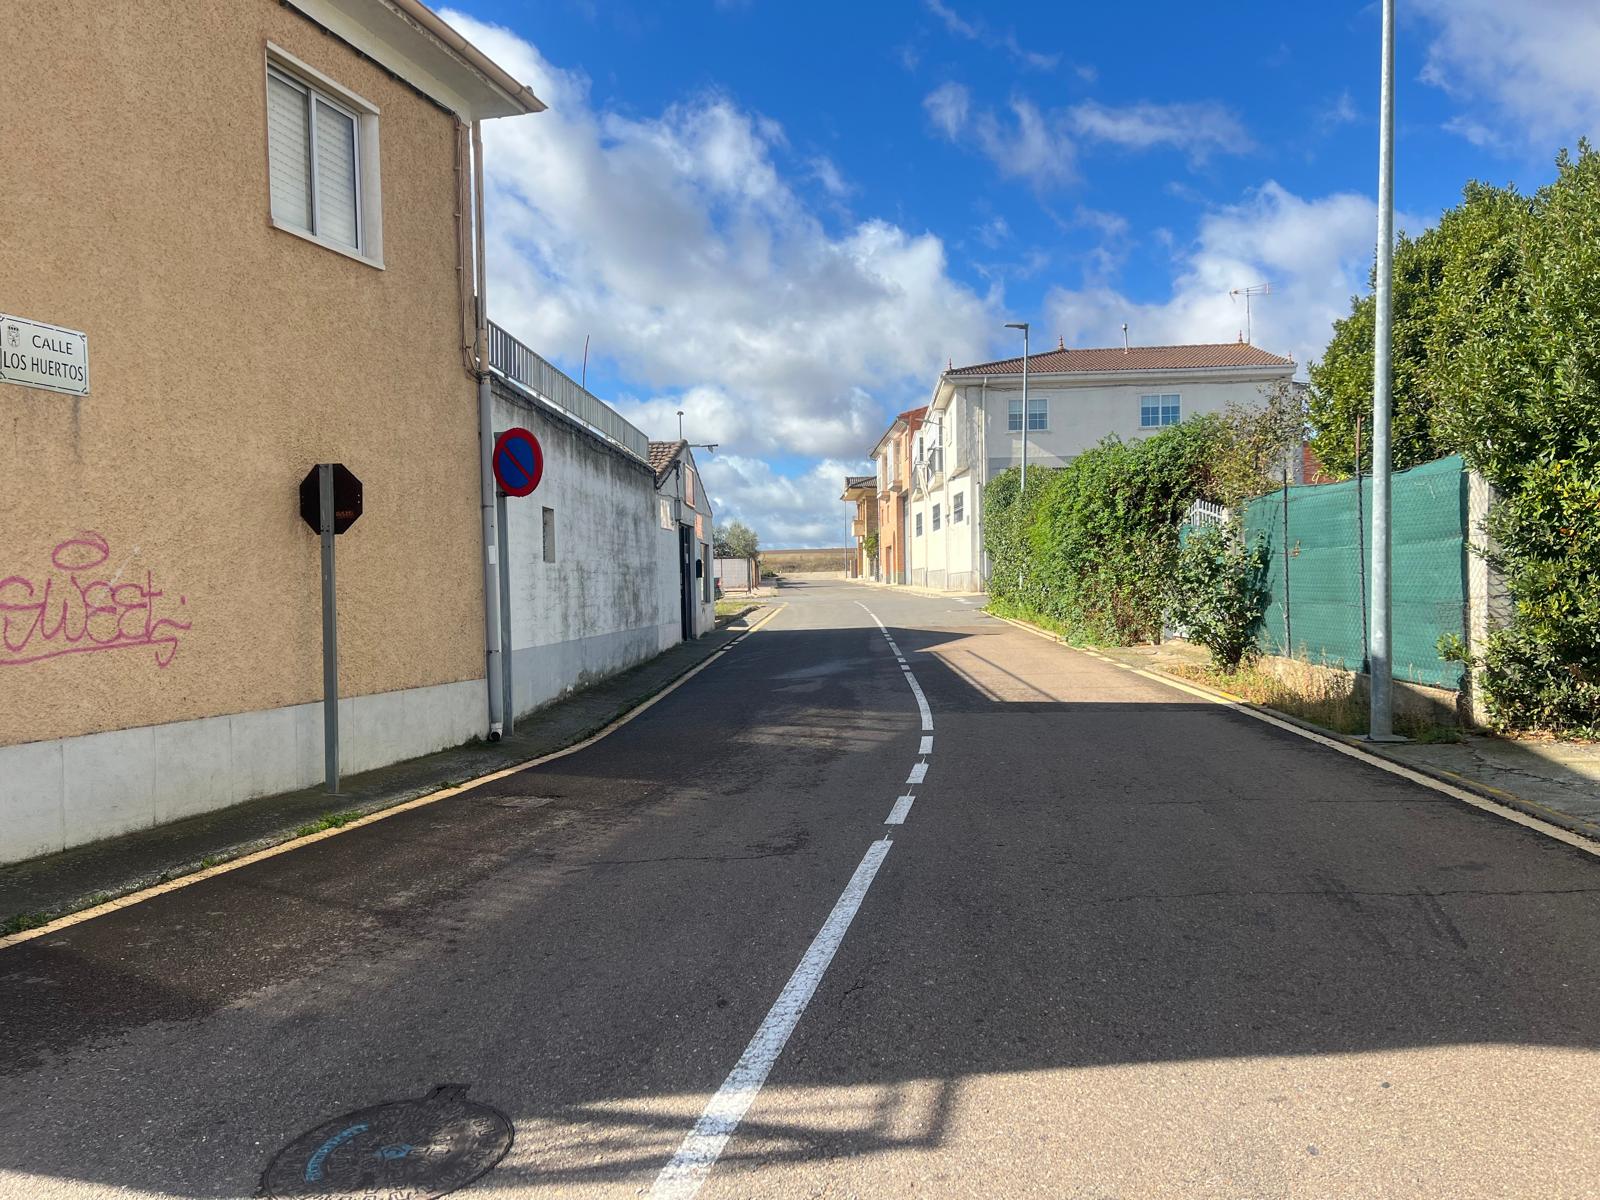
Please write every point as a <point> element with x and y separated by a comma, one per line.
<point>13,337</point>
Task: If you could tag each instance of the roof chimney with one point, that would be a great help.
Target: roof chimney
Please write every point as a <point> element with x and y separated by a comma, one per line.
<point>1124,337</point>
<point>1061,342</point>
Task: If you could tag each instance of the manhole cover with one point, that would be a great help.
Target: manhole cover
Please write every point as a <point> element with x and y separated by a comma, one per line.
<point>404,1150</point>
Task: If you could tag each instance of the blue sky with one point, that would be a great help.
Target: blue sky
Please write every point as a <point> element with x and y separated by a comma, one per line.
<point>785,219</point>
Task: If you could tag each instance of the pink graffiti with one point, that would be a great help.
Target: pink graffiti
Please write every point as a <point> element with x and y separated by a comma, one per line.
<point>47,618</point>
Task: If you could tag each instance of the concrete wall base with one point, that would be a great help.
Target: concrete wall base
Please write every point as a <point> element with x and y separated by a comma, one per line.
<point>68,791</point>
<point>541,674</point>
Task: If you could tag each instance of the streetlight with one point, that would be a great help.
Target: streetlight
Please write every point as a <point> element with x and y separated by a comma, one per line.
<point>1023,325</point>
<point>1380,665</point>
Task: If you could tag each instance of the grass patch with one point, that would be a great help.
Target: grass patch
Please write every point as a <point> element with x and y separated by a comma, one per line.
<point>732,610</point>
<point>331,821</point>
<point>1323,697</point>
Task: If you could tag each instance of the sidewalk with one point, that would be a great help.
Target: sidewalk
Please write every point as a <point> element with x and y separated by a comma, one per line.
<point>56,884</point>
<point>1558,782</point>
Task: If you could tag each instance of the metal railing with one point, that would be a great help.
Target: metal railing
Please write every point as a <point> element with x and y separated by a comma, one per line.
<point>524,366</point>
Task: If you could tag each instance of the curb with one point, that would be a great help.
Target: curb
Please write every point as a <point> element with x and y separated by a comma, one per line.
<point>1357,747</point>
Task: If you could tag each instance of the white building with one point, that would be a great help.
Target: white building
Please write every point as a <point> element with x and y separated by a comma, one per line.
<point>1076,398</point>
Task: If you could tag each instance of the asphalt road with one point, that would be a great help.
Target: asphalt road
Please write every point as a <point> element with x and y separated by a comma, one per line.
<point>1124,943</point>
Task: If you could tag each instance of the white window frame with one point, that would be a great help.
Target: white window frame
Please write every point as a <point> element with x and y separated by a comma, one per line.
<point>1160,404</point>
<point>918,524</point>
<point>1038,409</point>
<point>958,507</point>
<point>936,517</point>
<point>364,115</point>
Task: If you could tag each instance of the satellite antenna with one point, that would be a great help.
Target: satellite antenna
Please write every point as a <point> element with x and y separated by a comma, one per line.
<point>1256,289</point>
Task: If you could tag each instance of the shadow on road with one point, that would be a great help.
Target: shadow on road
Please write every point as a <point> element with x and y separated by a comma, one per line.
<point>1125,879</point>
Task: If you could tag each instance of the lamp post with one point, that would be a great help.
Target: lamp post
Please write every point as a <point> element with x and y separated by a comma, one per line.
<point>1023,325</point>
<point>1380,665</point>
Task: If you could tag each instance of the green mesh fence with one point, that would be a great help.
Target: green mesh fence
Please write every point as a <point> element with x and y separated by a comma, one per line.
<point>1320,606</point>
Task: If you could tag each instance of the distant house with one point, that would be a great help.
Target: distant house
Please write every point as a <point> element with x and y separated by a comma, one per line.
<point>975,427</point>
<point>893,457</point>
<point>862,491</point>
<point>684,512</point>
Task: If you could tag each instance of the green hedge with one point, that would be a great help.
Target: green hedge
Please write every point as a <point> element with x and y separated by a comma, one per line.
<point>1088,549</point>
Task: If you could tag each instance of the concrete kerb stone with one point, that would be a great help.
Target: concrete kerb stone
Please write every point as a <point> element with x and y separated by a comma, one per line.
<point>39,894</point>
<point>1590,831</point>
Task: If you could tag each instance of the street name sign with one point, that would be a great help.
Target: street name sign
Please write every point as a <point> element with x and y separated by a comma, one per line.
<point>37,355</point>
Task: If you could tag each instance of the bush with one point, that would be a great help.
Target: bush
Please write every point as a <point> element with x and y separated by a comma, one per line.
<point>1219,592</point>
<point>1088,548</point>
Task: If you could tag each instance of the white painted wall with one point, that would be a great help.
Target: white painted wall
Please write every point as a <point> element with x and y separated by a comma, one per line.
<point>968,424</point>
<point>68,791</point>
<point>607,602</point>
<point>1081,414</point>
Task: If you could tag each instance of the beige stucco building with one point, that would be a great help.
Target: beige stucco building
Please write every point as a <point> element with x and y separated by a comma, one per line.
<point>259,214</point>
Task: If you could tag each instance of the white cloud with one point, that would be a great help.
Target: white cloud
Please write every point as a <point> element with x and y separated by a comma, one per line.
<point>826,172</point>
<point>1042,146</point>
<point>785,511</point>
<point>978,31</point>
<point>1316,254</point>
<point>1529,66</point>
<point>1198,129</point>
<point>680,243</point>
<point>1029,144</point>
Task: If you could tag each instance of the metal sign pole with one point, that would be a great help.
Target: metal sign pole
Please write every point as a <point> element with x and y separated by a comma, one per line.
<point>507,707</point>
<point>330,636</point>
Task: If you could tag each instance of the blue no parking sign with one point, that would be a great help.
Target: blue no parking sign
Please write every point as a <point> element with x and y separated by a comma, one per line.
<point>518,462</point>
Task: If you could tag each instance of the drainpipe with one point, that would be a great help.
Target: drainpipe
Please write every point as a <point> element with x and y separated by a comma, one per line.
<point>486,489</point>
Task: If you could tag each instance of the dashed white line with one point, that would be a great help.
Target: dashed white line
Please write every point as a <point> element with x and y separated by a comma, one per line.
<point>919,772</point>
<point>681,1178</point>
<point>922,703</point>
<point>897,814</point>
<point>927,745</point>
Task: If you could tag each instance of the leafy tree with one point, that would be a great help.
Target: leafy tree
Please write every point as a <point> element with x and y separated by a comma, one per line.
<point>735,540</point>
<point>1258,441</point>
<point>1497,357</point>
<point>1518,362</point>
<point>1435,276</point>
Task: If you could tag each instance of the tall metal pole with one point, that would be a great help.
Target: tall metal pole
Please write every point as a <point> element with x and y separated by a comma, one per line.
<point>1381,666</point>
<point>330,636</point>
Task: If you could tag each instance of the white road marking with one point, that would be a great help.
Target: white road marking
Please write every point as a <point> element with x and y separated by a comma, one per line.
<point>683,1176</point>
<point>919,772</point>
<point>927,745</point>
<point>922,702</point>
<point>897,814</point>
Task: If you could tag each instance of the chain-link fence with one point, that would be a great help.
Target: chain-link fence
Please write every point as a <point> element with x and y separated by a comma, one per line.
<point>1319,607</point>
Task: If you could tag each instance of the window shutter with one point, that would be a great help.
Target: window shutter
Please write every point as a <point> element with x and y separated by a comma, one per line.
<point>288,152</point>
<point>336,176</point>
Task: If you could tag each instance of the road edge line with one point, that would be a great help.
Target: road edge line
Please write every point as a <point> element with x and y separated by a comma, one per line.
<point>1505,805</point>
<point>140,895</point>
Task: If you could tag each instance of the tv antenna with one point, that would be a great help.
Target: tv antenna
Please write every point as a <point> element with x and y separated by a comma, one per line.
<point>1255,289</point>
